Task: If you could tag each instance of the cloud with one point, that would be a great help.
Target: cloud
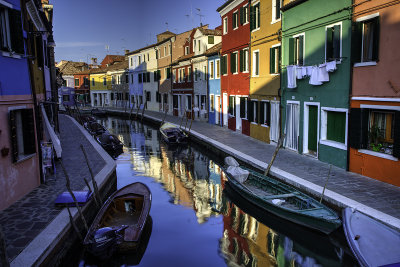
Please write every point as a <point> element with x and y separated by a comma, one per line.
<point>78,44</point>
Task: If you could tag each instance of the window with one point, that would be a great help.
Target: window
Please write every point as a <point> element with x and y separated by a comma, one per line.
<point>366,39</point>
<point>104,81</point>
<point>132,78</point>
<point>113,80</point>
<point>158,97</point>
<point>148,56</point>
<point>205,72</point>
<point>92,81</point>
<point>189,102</point>
<point>195,74</point>
<point>224,64</point>
<point>179,75</point>
<point>252,110</point>
<point>189,74</point>
<point>232,106</point>
<point>76,82</point>
<point>156,53</point>
<point>296,50</point>
<point>186,50</point>
<point>243,107</point>
<point>333,43</point>
<point>244,60</point>
<point>276,10</point>
<point>11,31</point>
<point>211,103</point>
<point>210,39</point>
<point>148,96</point>
<point>255,17</point>
<point>131,61</point>
<point>165,50</point>
<point>217,69</point>
<point>244,14</point>
<point>235,22</point>
<point>22,133</point>
<point>256,63</point>
<point>234,62</point>
<point>203,102</point>
<point>275,60</point>
<point>139,59</point>
<point>198,44</point>
<point>212,70</point>
<point>265,113</point>
<point>140,78</point>
<point>169,49</point>
<point>65,98</point>
<point>86,81</point>
<point>225,25</point>
<point>334,127</point>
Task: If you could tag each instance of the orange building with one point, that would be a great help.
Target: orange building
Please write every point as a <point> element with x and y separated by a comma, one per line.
<point>374,126</point>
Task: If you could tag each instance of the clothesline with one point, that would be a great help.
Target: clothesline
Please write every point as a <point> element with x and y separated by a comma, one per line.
<point>315,64</point>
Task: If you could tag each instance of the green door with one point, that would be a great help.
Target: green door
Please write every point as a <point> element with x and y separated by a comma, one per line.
<point>312,128</point>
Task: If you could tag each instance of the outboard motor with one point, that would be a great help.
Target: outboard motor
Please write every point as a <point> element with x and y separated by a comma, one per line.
<point>105,241</point>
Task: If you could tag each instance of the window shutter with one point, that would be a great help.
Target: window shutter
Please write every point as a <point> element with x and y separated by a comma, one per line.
<point>233,20</point>
<point>258,17</point>
<point>148,77</point>
<point>242,107</point>
<point>301,45</point>
<point>329,43</point>
<point>272,60</point>
<point>356,41</point>
<point>279,59</point>
<point>13,133</point>
<point>358,128</point>
<point>277,9</point>
<point>17,38</point>
<point>250,110</point>
<point>291,51</point>
<point>396,143</point>
<point>375,48</point>
<point>232,63</point>
<point>155,75</point>
<point>158,75</point>
<point>251,18</point>
<point>268,118</point>
<point>140,77</point>
<point>241,61</point>
<point>241,16</point>
<point>262,108</point>
<point>336,42</point>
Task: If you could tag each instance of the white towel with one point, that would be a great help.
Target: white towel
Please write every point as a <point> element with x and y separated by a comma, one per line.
<point>314,76</point>
<point>309,70</point>
<point>291,76</point>
<point>304,71</point>
<point>323,75</point>
<point>331,66</point>
<point>299,72</point>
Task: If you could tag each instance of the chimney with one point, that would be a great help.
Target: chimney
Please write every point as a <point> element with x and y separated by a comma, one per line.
<point>126,51</point>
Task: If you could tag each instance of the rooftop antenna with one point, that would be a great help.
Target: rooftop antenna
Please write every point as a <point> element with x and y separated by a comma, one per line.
<point>166,23</point>
<point>108,48</point>
<point>200,15</point>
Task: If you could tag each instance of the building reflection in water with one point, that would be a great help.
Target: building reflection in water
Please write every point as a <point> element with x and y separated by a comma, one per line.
<point>194,181</point>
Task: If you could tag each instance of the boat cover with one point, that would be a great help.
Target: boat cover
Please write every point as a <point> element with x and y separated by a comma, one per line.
<point>230,161</point>
<point>238,173</point>
<point>65,198</point>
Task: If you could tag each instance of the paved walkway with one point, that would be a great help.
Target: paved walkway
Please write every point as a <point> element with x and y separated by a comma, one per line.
<point>25,219</point>
<point>382,200</point>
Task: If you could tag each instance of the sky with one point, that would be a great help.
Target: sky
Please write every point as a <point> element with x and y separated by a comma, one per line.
<point>83,28</point>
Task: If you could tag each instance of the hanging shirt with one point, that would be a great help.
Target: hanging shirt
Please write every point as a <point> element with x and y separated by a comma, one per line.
<point>291,75</point>
<point>309,70</point>
<point>331,66</point>
<point>299,72</point>
<point>314,76</point>
<point>323,75</point>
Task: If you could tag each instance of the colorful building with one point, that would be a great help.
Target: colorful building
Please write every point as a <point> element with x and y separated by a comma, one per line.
<point>182,88</point>
<point>316,78</point>
<point>374,124</point>
<point>100,87</point>
<point>235,80</point>
<point>214,84</point>
<point>82,87</point>
<point>263,104</point>
<point>119,96</point>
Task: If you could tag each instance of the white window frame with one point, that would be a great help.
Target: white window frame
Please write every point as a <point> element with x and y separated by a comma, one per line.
<point>225,25</point>
<point>211,68</point>
<point>254,63</point>
<point>273,19</point>
<point>365,63</point>
<point>246,13</point>
<point>276,58</point>
<point>341,39</point>
<point>217,69</point>
<point>256,19</point>
<point>205,72</point>
<point>324,127</point>
<point>195,74</point>
<point>246,60</point>
<point>236,62</point>
<point>265,111</point>
<point>304,46</point>
<point>189,79</point>
<point>235,13</point>
<point>187,50</point>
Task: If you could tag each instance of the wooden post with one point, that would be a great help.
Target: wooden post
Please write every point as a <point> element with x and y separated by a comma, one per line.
<point>3,250</point>
<point>326,183</point>
<point>191,121</point>
<point>94,183</point>
<point>74,225</point>
<point>180,125</point>
<point>145,105</point>
<point>68,185</point>
<point>278,146</point>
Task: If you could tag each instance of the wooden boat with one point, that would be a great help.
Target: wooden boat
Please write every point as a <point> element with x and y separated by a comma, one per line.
<point>372,242</point>
<point>172,134</point>
<point>119,224</point>
<point>281,199</point>
<point>94,128</point>
<point>110,143</point>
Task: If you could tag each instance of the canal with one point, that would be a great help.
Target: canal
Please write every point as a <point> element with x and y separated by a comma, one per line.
<point>196,220</point>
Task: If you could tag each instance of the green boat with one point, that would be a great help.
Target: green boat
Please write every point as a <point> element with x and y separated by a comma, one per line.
<point>281,199</point>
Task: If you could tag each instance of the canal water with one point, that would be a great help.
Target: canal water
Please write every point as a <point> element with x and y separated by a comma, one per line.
<point>196,220</point>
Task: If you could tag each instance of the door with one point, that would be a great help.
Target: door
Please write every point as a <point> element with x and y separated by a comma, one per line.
<point>292,126</point>
<point>225,108</point>
<point>217,109</point>
<point>312,129</point>
<point>237,115</point>
<point>274,129</point>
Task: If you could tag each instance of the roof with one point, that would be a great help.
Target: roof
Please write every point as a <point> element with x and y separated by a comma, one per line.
<point>143,48</point>
<point>70,67</point>
<point>118,66</point>
<point>292,4</point>
<point>214,50</point>
<point>210,31</point>
<point>182,58</point>
<point>224,5</point>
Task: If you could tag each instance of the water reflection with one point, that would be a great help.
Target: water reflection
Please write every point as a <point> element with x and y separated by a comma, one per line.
<point>193,181</point>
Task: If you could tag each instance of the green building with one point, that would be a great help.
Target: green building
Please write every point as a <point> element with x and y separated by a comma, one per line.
<point>316,73</point>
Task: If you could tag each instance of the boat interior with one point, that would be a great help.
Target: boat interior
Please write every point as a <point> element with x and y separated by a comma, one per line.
<point>124,210</point>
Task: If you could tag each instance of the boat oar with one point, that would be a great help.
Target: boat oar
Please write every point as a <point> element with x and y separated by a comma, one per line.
<point>68,185</point>
<point>278,146</point>
<point>74,225</point>
<point>95,188</point>
<point>326,183</point>
<point>3,250</point>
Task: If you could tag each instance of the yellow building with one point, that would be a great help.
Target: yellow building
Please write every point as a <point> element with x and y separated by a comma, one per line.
<point>100,87</point>
<point>265,51</point>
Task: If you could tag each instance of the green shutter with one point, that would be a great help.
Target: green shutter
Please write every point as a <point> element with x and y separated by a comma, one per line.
<point>242,107</point>
<point>336,126</point>
<point>262,108</point>
<point>279,59</point>
<point>232,64</point>
<point>356,42</point>
<point>250,110</point>
<point>259,15</point>
<point>375,48</point>
<point>336,42</point>
<point>301,46</point>
<point>272,60</point>
<point>241,16</point>
<point>291,51</point>
<point>313,128</point>
<point>251,18</point>
<point>241,60</point>
<point>17,38</point>
<point>329,43</point>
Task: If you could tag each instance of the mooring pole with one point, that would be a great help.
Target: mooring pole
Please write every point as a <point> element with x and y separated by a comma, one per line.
<point>278,146</point>
<point>74,225</point>
<point>326,183</point>
<point>95,188</point>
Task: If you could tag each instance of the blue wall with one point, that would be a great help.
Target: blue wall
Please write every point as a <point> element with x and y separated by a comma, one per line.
<point>214,86</point>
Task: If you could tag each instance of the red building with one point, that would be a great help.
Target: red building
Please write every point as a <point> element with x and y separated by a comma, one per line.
<point>111,59</point>
<point>235,80</point>
<point>82,86</point>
